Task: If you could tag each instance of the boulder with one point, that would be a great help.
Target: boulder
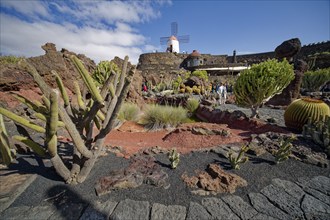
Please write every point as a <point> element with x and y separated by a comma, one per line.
<point>288,49</point>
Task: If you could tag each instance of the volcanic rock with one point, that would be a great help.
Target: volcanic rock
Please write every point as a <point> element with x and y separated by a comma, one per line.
<point>288,49</point>
<point>215,179</point>
<point>141,170</point>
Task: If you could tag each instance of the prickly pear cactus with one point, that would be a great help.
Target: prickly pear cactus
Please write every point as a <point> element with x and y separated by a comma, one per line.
<point>300,110</point>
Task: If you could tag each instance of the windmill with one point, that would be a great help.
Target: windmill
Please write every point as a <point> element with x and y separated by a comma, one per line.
<point>172,42</point>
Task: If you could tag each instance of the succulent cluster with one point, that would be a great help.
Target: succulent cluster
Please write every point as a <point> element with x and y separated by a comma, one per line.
<point>239,159</point>
<point>261,82</point>
<point>284,150</point>
<point>319,132</point>
<point>174,158</point>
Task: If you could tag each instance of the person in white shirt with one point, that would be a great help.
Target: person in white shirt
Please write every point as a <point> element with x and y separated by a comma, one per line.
<point>222,91</point>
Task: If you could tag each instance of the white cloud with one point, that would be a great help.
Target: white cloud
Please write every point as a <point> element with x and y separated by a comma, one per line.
<point>98,29</point>
<point>28,8</point>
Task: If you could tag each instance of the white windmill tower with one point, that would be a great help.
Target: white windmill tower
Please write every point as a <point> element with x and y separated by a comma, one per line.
<point>172,42</point>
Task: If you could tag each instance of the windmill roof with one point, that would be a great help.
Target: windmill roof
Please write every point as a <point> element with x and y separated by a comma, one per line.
<point>172,38</point>
<point>195,53</point>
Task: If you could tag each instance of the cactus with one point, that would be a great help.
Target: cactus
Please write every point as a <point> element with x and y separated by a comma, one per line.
<point>300,110</point>
<point>103,71</point>
<point>255,86</point>
<point>5,150</point>
<point>62,88</point>
<point>21,120</point>
<point>31,144</point>
<point>284,150</point>
<point>51,137</point>
<point>78,122</point>
<point>174,158</point>
<point>240,159</point>
<point>319,132</point>
<point>88,80</point>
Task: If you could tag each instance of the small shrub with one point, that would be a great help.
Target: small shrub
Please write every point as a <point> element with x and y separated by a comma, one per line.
<point>9,60</point>
<point>159,117</point>
<point>313,80</point>
<point>262,81</point>
<point>103,71</point>
<point>129,112</point>
<point>202,74</point>
<point>192,105</point>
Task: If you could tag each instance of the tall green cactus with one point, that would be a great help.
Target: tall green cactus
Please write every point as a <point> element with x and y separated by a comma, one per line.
<point>78,121</point>
<point>261,82</point>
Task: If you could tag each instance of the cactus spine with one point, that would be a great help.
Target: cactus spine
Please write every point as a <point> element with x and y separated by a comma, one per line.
<point>300,110</point>
<point>240,159</point>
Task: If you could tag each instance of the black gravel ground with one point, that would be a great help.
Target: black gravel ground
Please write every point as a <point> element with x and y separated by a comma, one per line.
<point>258,172</point>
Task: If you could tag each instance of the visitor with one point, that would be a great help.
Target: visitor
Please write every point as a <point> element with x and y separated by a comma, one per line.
<point>222,91</point>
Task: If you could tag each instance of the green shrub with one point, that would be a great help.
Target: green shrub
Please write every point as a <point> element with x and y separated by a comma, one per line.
<point>313,80</point>
<point>192,105</point>
<point>160,116</point>
<point>129,112</point>
<point>202,74</point>
<point>9,60</point>
<point>261,82</point>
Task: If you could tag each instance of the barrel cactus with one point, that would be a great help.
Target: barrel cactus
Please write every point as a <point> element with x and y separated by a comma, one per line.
<point>300,110</point>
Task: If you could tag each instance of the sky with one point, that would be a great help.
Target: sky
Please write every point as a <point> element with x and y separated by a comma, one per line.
<point>103,29</point>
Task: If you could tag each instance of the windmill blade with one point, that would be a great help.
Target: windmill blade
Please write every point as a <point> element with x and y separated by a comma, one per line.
<point>184,38</point>
<point>163,40</point>
<point>174,28</point>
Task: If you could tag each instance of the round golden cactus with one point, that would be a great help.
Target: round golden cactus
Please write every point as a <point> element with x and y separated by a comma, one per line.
<point>298,112</point>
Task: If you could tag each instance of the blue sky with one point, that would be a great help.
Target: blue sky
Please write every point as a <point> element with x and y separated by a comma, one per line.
<point>104,29</point>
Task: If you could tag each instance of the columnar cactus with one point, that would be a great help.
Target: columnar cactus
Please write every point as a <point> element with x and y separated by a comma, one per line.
<point>300,110</point>
<point>77,120</point>
<point>257,85</point>
<point>319,132</point>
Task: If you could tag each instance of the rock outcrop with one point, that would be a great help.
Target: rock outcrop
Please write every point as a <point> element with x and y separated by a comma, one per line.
<point>288,50</point>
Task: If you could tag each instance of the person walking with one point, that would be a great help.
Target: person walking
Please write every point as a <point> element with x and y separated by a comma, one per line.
<point>222,91</point>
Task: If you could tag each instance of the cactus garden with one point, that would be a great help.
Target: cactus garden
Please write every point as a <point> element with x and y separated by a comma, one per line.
<point>95,134</point>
